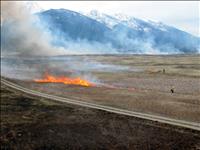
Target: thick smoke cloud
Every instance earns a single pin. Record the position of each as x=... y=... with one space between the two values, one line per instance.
x=20 y=33
x=25 y=38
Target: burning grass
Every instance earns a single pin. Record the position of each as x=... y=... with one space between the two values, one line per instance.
x=62 y=79
x=147 y=91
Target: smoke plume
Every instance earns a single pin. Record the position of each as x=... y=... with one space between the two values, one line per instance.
x=25 y=38
x=21 y=35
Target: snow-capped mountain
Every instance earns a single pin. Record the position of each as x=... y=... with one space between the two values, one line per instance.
x=111 y=21
x=102 y=33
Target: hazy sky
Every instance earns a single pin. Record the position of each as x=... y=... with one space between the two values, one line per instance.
x=184 y=15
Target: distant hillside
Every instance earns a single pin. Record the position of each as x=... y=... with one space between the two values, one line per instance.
x=101 y=33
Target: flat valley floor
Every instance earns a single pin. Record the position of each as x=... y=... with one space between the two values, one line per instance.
x=29 y=122
x=141 y=83
x=132 y=82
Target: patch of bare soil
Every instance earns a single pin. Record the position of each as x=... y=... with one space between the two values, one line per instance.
x=29 y=122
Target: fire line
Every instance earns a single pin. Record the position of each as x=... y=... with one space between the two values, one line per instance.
x=65 y=80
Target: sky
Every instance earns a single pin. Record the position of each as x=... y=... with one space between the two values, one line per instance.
x=184 y=15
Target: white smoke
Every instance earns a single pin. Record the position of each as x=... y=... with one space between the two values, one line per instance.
x=21 y=35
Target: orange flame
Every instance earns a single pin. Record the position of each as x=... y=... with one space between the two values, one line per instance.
x=53 y=79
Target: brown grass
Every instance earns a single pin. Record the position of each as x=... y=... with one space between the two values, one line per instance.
x=29 y=122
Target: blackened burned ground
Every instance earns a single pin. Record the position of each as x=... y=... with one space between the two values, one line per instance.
x=29 y=122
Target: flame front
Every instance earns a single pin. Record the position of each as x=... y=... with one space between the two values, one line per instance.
x=53 y=79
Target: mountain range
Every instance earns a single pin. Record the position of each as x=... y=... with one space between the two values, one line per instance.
x=97 y=32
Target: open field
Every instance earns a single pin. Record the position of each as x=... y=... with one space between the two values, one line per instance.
x=29 y=122
x=143 y=87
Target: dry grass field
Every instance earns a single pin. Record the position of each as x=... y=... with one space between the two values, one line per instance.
x=34 y=123
x=29 y=122
x=144 y=87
